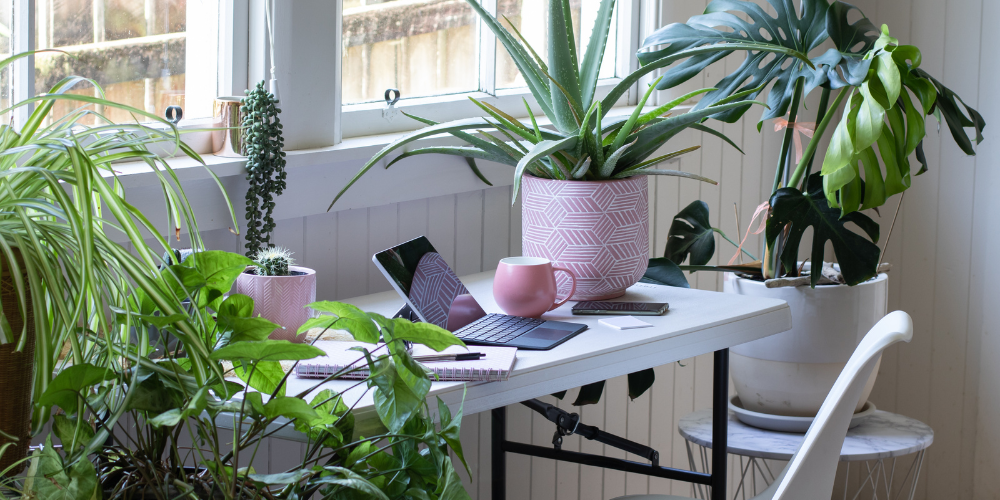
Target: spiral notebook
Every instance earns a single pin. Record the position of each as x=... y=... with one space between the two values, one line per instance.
x=495 y=366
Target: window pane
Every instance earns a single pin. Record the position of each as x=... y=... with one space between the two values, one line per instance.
x=6 y=47
x=135 y=49
x=422 y=48
x=531 y=18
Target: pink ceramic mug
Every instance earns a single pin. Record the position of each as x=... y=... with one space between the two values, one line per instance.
x=526 y=286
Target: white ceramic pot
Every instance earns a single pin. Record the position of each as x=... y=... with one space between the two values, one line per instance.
x=792 y=372
x=281 y=299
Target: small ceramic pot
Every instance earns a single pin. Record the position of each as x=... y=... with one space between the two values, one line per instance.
x=599 y=230
x=281 y=299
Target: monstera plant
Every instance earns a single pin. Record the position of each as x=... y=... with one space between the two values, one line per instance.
x=876 y=83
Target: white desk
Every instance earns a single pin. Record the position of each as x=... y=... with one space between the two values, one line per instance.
x=698 y=322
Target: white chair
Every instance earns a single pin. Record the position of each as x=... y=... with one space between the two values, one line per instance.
x=810 y=473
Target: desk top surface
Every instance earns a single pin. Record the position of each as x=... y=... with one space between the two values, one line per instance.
x=698 y=322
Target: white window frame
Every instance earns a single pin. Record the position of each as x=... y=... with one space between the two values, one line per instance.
x=232 y=64
x=366 y=119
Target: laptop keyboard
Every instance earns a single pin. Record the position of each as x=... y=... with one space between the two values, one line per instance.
x=497 y=328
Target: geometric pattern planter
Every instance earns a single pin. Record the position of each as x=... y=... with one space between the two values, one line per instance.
x=281 y=299
x=597 y=229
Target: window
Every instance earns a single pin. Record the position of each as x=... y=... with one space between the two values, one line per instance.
x=148 y=54
x=439 y=52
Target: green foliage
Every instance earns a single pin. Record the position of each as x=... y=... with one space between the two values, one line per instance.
x=273 y=261
x=186 y=393
x=586 y=144
x=691 y=234
x=77 y=248
x=265 y=164
x=664 y=271
x=858 y=257
x=883 y=98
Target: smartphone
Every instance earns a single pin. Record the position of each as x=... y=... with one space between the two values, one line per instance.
x=623 y=308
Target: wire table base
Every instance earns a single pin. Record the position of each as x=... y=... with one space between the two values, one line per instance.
x=875 y=447
x=880 y=476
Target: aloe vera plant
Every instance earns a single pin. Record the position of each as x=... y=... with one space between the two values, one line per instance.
x=583 y=142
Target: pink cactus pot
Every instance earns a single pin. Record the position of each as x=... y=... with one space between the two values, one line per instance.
x=281 y=299
x=597 y=229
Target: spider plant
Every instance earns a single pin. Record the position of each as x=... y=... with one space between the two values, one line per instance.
x=77 y=249
x=583 y=143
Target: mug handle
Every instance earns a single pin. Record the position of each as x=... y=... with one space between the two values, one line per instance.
x=572 y=287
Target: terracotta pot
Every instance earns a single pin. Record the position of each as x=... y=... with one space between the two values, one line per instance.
x=281 y=299
x=792 y=372
x=16 y=372
x=597 y=229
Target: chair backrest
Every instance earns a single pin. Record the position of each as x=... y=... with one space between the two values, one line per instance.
x=811 y=472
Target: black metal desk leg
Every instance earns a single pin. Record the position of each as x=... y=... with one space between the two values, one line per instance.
x=499 y=456
x=720 y=423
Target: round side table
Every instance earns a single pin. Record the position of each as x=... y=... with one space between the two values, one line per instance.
x=881 y=437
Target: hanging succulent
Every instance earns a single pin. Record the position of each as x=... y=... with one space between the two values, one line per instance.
x=265 y=164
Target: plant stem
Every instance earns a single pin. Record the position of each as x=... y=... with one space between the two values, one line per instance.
x=737 y=245
x=786 y=141
x=824 y=102
x=814 y=142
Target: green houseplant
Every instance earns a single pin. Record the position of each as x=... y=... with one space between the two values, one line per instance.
x=262 y=145
x=883 y=96
x=63 y=207
x=168 y=399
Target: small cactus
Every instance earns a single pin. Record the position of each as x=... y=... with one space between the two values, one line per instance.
x=273 y=261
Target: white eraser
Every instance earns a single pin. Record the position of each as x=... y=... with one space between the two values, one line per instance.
x=624 y=322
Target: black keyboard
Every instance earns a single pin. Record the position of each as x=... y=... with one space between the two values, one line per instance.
x=497 y=328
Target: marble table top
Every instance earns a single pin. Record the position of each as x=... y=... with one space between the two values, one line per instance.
x=882 y=435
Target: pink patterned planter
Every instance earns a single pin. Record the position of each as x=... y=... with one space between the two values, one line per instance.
x=281 y=299
x=597 y=229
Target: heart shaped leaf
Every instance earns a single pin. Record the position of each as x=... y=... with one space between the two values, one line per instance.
x=691 y=234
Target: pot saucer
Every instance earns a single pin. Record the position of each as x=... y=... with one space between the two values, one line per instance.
x=783 y=423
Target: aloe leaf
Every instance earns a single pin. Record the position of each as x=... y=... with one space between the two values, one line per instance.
x=541 y=150
x=466 y=151
x=627 y=128
x=671 y=173
x=608 y=169
x=534 y=124
x=594 y=55
x=536 y=82
x=565 y=94
x=507 y=120
x=654 y=161
x=653 y=136
x=447 y=127
x=538 y=59
x=465 y=136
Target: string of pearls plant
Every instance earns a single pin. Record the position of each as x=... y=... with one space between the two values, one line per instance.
x=265 y=165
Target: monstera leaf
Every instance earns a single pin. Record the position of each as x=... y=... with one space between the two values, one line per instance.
x=691 y=234
x=788 y=34
x=857 y=255
x=881 y=111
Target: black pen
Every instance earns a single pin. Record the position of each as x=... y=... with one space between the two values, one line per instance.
x=465 y=356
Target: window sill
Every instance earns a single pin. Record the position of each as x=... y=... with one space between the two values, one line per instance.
x=315 y=175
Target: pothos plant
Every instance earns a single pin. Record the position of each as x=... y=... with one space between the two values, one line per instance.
x=879 y=89
x=227 y=370
x=265 y=164
x=583 y=142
